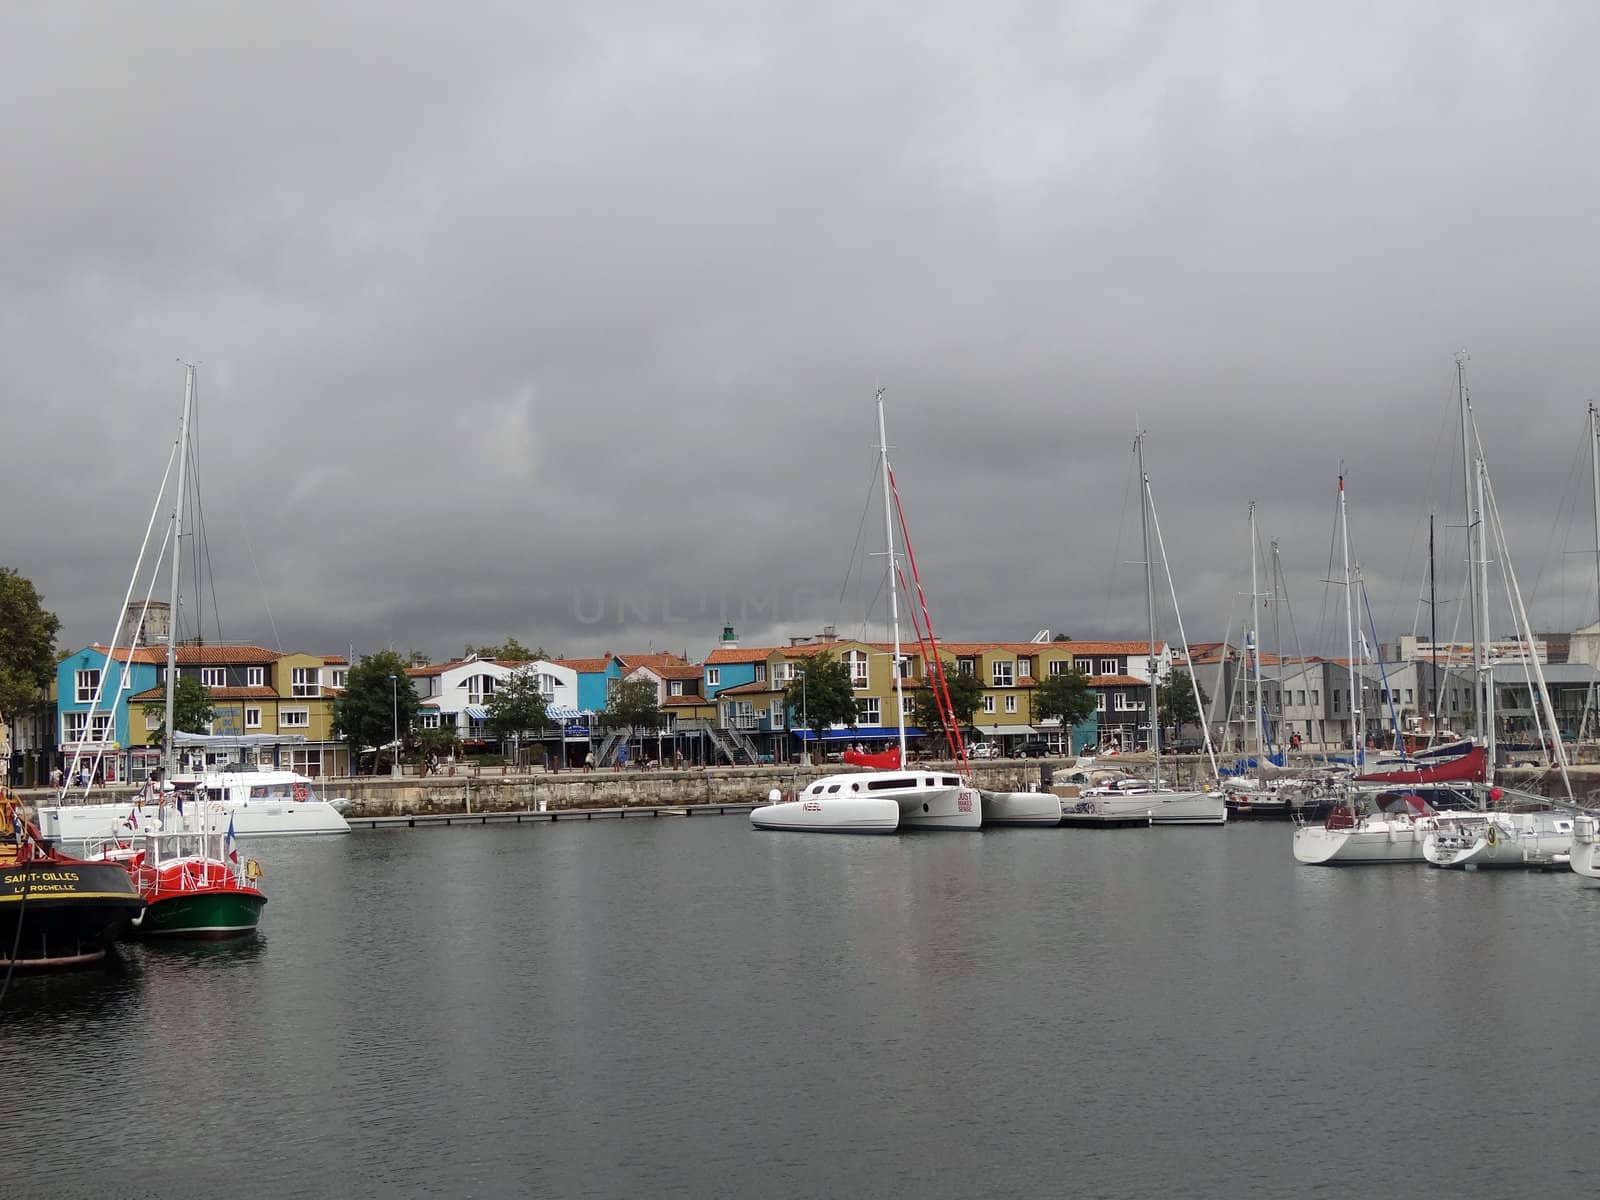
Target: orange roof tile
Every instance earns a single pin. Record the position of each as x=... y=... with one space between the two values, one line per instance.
x=759 y=687
x=691 y=701
x=743 y=654
x=587 y=666
x=1100 y=681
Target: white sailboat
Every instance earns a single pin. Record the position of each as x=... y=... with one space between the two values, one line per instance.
x=1124 y=799
x=880 y=801
x=1585 y=852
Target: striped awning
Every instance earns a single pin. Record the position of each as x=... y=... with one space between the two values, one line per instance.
x=562 y=712
x=475 y=713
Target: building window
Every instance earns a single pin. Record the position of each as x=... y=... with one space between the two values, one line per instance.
x=72 y=726
x=1083 y=666
x=294 y=718
x=87 y=683
x=868 y=711
x=965 y=666
x=255 y=677
x=430 y=720
x=858 y=668
x=307 y=682
x=214 y=677
x=1300 y=698
x=713 y=676
x=480 y=688
x=100 y=727
x=1100 y=701
x=775 y=713
x=1108 y=666
x=1011 y=703
x=988 y=704
x=1024 y=668
x=153 y=718
x=1316 y=698
x=1126 y=702
x=675 y=687
x=761 y=672
x=1408 y=695
x=908 y=706
x=252 y=718
x=1001 y=672
x=1059 y=666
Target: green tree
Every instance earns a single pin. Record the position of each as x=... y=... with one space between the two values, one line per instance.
x=1175 y=700
x=366 y=714
x=511 y=650
x=517 y=706
x=1066 y=697
x=966 y=695
x=27 y=644
x=192 y=709
x=826 y=696
x=633 y=708
x=1061 y=637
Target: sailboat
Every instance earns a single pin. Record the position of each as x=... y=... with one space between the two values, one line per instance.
x=890 y=797
x=1125 y=799
x=189 y=873
x=1247 y=797
x=1585 y=858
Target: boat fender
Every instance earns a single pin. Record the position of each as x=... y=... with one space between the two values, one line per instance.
x=1492 y=837
x=252 y=870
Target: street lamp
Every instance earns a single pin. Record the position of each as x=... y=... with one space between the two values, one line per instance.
x=394 y=699
x=804 y=715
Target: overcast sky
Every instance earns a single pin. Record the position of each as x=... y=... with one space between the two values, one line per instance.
x=565 y=321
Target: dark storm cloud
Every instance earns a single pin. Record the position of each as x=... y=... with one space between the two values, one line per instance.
x=566 y=321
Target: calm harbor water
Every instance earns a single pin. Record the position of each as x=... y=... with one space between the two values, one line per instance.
x=689 y=1008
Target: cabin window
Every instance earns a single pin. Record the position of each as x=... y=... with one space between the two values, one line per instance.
x=951 y=781
x=87 y=683
x=833 y=789
x=878 y=785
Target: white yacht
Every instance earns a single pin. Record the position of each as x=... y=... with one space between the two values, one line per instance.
x=1585 y=846
x=1535 y=839
x=1019 y=808
x=260 y=804
x=876 y=802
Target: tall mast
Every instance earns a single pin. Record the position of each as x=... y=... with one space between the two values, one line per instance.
x=1485 y=680
x=1349 y=627
x=177 y=544
x=1253 y=637
x=1594 y=463
x=1433 y=634
x=1467 y=472
x=894 y=595
x=1150 y=605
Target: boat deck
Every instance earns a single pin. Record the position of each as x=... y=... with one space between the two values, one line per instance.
x=554 y=814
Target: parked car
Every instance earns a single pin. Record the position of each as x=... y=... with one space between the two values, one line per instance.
x=1035 y=748
x=983 y=750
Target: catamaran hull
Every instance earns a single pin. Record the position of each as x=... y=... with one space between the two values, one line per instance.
x=259 y=818
x=941 y=808
x=1020 y=808
x=830 y=814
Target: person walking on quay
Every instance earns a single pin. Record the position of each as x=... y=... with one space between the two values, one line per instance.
x=622 y=757
x=588 y=762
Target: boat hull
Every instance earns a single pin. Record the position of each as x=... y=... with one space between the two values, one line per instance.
x=70 y=912
x=1585 y=846
x=830 y=814
x=1391 y=842
x=1020 y=808
x=1189 y=808
x=1529 y=841
x=251 y=818
x=957 y=808
x=218 y=914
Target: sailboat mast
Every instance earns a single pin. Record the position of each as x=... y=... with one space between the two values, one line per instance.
x=1254 y=665
x=1465 y=406
x=1480 y=652
x=894 y=592
x=1349 y=627
x=1594 y=464
x=1150 y=605
x=1433 y=634
x=177 y=544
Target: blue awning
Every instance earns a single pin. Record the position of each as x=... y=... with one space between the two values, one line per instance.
x=562 y=712
x=866 y=733
x=474 y=713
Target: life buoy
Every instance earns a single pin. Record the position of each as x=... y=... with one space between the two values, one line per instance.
x=302 y=792
x=1492 y=837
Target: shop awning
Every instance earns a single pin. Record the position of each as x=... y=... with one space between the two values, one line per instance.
x=1006 y=730
x=475 y=713
x=867 y=733
x=563 y=712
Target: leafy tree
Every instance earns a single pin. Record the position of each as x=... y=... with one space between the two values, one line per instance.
x=1061 y=637
x=1175 y=700
x=416 y=658
x=825 y=697
x=966 y=692
x=365 y=715
x=192 y=709
x=27 y=644
x=517 y=706
x=633 y=707
x=1066 y=697
x=511 y=651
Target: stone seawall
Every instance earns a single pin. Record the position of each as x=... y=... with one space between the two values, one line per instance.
x=386 y=796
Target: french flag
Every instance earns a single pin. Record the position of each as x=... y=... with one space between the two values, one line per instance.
x=233 y=850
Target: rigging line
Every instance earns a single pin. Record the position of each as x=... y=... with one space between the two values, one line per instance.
x=1567 y=509
x=1441 y=439
x=1116 y=551
x=255 y=568
x=866 y=509
x=1183 y=639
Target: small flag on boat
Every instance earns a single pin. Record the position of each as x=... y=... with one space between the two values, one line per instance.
x=133 y=818
x=16 y=825
x=233 y=851
x=179 y=794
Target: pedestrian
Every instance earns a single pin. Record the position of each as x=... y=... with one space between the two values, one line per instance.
x=588 y=761
x=55 y=777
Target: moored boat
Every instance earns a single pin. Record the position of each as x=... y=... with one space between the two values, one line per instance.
x=1535 y=839
x=1019 y=808
x=56 y=911
x=1585 y=859
x=260 y=804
